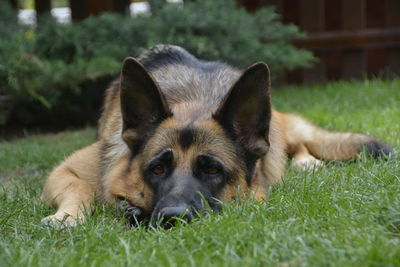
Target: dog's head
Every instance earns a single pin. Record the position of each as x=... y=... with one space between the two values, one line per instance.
x=189 y=155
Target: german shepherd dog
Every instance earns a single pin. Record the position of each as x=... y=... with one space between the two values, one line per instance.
x=178 y=134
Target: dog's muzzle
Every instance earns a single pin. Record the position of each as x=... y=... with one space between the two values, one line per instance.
x=167 y=217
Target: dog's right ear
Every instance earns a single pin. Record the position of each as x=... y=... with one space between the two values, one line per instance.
x=143 y=106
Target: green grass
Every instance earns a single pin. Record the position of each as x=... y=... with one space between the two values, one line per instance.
x=346 y=214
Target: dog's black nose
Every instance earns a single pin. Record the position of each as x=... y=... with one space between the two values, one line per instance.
x=168 y=216
x=181 y=211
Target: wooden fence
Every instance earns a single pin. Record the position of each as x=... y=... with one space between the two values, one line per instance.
x=351 y=38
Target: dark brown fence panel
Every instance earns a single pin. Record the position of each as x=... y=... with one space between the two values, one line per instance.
x=14 y=3
x=120 y=6
x=81 y=9
x=42 y=7
x=291 y=13
x=375 y=13
x=353 y=64
x=333 y=15
x=393 y=59
x=392 y=13
x=392 y=56
x=312 y=17
x=375 y=60
x=353 y=17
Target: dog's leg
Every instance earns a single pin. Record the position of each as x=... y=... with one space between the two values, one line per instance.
x=329 y=145
x=71 y=196
x=70 y=189
x=302 y=159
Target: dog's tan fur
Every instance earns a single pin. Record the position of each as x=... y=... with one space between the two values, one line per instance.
x=106 y=174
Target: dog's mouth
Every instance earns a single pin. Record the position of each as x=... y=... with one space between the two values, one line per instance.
x=165 y=218
x=134 y=214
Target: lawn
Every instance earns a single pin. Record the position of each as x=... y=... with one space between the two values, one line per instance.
x=345 y=214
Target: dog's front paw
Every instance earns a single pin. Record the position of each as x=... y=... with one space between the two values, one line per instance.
x=60 y=221
x=133 y=213
x=307 y=163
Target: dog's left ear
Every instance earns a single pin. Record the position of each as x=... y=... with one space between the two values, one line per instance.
x=246 y=110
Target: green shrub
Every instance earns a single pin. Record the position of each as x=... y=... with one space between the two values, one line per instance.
x=219 y=30
x=43 y=71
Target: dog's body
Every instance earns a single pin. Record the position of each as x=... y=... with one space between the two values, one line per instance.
x=176 y=129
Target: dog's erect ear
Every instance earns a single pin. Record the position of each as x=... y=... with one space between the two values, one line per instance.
x=246 y=110
x=143 y=106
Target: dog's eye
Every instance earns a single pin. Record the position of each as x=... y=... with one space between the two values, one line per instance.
x=158 y=169
x=212 y=171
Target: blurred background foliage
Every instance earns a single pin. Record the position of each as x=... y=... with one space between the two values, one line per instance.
x=30 y=4
x=55 y=74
